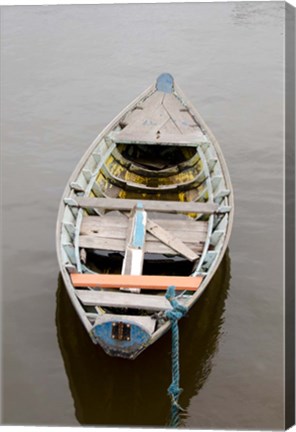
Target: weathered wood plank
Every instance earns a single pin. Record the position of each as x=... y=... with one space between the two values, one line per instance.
x=190 y=234
x=182 y=118
x=170 y=128
x=119 y=232
x=145 y=282
x=91 y=223
x=163 y=139
x=92 y=242
x=171 y=240
x=149 y=205
x=149 y=120
x=162 y=121
x=135 y=115
x=123 y=300
x=152 y=101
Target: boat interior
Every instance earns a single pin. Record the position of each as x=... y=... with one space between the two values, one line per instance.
x=145 y=172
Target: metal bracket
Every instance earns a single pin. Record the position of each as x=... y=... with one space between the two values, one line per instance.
x=121 y=331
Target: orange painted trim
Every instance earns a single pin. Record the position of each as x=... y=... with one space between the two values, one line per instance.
x=130 y=281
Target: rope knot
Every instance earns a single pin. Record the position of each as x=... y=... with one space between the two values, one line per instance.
x=178 y=310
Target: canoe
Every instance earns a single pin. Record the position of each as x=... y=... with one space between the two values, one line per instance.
x=144 y=221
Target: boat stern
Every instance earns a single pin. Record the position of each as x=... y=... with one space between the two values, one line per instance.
x=123 y=336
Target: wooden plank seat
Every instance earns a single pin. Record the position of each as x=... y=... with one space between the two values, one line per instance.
x=189 y=140
x=183 y=283
x=149 y=205
x=109 y=244
x=111 y=221
x=123 y=300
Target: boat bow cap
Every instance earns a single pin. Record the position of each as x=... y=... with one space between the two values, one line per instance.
x=165 y=83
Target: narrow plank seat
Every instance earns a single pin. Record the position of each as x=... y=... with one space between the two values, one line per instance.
x=183 y=283
x=123 y=300
x=166 y=140
x=149 y=205
x=119 y=245
x=118 y=223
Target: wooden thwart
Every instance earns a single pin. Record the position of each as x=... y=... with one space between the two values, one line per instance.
x=164 y=139
x=183 y=283
x=153 y=247
x=149 y=205
x=110 y=223
x=119 y=233
x=123 y=300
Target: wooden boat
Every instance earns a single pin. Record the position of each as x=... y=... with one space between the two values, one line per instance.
x=150 y=205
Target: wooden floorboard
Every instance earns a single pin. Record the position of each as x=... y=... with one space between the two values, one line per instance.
x=91 y=223
x=94 y=242
x=120 y=232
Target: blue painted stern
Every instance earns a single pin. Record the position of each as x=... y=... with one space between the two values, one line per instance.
x=128 y=345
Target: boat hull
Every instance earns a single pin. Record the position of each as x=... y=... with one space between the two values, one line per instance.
x=115 y=157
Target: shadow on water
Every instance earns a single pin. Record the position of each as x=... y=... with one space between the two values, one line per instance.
x=112 y=391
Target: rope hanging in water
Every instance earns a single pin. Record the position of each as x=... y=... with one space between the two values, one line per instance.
x=174 y=389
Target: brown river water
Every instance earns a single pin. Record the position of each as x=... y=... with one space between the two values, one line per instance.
x=66 y=72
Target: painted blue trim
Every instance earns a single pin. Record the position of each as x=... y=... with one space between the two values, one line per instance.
x=138 y=240
x=165 y=83
x=103 y=334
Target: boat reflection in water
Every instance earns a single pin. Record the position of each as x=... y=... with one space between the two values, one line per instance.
x=113 y=391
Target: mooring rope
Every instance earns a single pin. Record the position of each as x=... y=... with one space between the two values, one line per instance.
x=174 y=389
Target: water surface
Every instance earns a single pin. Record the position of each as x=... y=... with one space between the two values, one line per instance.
x=66 y=72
